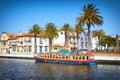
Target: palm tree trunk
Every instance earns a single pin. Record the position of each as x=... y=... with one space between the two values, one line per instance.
x=50 y=45
x=99 y=42
x=35 y=46
x=66 y=39
x=89 y=39
x=77 y=43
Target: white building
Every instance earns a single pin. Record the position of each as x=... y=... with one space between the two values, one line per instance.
x=83 y=40
x=61 y=38
x=60 y=41
x=23 y=43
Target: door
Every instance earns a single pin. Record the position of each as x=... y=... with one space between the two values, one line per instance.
x=40 y=49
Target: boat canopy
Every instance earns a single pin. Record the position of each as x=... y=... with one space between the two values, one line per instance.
x=64 y=51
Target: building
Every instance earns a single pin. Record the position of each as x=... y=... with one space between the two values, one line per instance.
x=22 y=43
x=83 y=41
x=59 y=42
x=72 y=41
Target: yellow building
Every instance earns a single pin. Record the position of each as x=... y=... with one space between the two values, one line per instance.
x=56 y=47
x=4 y=43
x=72 y=41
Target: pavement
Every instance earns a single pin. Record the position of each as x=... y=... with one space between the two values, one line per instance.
x=110 y=57
x=115 y=57
x=17 y=55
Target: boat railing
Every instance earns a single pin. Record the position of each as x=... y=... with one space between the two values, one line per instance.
x=66 y=57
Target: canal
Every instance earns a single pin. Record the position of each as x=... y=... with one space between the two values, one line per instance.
x=23 y=69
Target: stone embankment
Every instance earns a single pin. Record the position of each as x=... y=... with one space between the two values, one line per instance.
x=97 y=57
x=115 y=57
x=17 y=55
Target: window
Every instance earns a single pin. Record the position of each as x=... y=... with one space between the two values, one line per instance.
x=4 y=37
x=55 y=48
x=4 y=43
x=85 y=39
x=61 y=32
x=14 y=48
x=86 y=44
x=40 y=40
x=74 y=43
x=82 y=44
x=81 y=38
x=25 y=39
x=69 y=38
x=29 y=48
x=25 y=49
x=46 y=48
x=29 y=40
x=71 y=43
x=18 y=49
x=86 y=34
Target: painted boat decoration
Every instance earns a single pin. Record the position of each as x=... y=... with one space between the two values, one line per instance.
x=74 y=59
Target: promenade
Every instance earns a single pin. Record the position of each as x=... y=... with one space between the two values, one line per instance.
x=110 y=57
x=99 y=57
x=17 y=55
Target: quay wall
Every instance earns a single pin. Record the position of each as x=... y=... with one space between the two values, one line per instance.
x=98 y=57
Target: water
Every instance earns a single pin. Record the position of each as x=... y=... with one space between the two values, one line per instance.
x=22 y=69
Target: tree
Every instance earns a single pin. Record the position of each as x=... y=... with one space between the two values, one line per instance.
x=35 y=30
x=90 y=17
x=50 y=32
x=78 y=29
x=110 y=41
x=66 y=28
x=98 y=33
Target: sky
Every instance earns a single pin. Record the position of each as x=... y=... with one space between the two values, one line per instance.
x=21 y=15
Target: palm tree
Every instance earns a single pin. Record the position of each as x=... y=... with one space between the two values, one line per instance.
x=66 y=28
x=35 y=30
x=90 y=17
x=78 y=29
x=50 y=32
x=98 y=33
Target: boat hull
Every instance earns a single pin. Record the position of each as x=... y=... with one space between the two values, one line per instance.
x=61 y=61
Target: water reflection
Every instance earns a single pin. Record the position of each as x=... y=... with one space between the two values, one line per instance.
x=67 y=72
x=20 y=69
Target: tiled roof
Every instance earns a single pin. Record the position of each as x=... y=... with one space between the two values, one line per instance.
x=12 y=36
x=27 y=35
x=15 y=36
x=71 y=35
x=118 y=37
x=57 y=45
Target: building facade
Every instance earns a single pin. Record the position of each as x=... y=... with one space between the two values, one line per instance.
x=83 y=40
x=23 y=43
x=4 y=43
x=59 y=42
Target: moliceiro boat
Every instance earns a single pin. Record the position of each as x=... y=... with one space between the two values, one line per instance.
x=74 y=59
